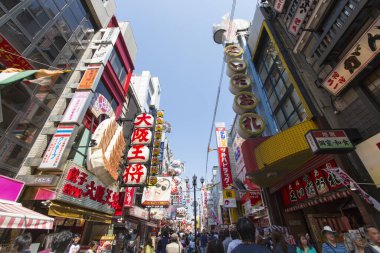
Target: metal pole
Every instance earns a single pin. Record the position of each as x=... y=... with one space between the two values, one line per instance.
x=195 y=216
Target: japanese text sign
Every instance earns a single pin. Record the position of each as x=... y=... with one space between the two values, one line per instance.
x=129 y=194
x=229 y=198
x=225 y=168
x=221 y=137
x=77 y=108
x=299 y=16
x=332 y=180
x=56 y=148
x=81 y=188
x=329 y=141
x=90 y=78
x=319 y=181
x=134 y=174
x=144 y=120
x=360 y=55
x=138 y=154
x=12 y=188
x=101 y=106
x=141 y=136
x=10 y=58
x=279 y=5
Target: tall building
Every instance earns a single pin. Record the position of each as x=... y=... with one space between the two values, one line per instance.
x=148 y=90
x=34 y=35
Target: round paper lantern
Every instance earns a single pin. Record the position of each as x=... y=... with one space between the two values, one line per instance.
x=156 y=151
x=232 y=51
x=138 y=154
x=244 y=101
x=155 y=160
x=250 y=125
x=160 y=114
x=144 y=120
x=152 y=180
x=159 y=121
x=156 y=143
x=236 y=66
x=154 y=169
x=239 y=83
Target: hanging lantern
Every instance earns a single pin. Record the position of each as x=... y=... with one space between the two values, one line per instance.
x=244 y=101
x=236 y=66
x=160 y=114
x=152 y=180
x=250 y=125
x=232 y=52
x=239 y=83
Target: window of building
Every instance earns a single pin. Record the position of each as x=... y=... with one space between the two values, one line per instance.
x=63 y=26
x=28 y=22
x=9 y=4
x=11 y=153
x=283 y=99
x=50 y=8
x=39 y=13
x=118 y=67
x=78 y=11
x=70 y=19
x=14 y=35
x=47 y=48
x=60 y=3
x=103 y=89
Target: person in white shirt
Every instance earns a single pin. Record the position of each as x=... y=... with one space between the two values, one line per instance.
x=235 y=240
x=373 y=236
x=75 y=246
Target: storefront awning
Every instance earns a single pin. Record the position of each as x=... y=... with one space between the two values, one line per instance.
x=71 y=212
x=282 y=153
x=13 y=215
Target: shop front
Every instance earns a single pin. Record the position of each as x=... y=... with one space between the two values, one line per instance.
x=307 y=190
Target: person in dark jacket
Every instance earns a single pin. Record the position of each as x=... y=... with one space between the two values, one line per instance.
x=22 y=243
x=373 y=236
x=279 y=243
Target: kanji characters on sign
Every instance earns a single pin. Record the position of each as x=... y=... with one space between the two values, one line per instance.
x=135 y=174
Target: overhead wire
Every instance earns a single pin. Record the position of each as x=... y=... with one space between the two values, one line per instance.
x=232 y=13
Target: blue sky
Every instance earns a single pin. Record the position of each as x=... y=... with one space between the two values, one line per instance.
x=174 y=40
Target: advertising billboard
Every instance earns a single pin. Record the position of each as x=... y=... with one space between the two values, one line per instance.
x=159 y=194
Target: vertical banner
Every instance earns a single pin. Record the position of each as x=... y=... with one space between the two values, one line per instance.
x=224 y=159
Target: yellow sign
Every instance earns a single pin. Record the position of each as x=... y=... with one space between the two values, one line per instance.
x=229 y=194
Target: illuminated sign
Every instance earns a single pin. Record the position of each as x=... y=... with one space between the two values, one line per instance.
x=329 y=141
x=159 y=194
x=77 y=108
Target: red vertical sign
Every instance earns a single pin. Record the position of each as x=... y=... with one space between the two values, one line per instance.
x=129 y=193
x=225 y=167
x=10 y=57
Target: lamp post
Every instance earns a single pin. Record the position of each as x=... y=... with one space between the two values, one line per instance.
x=202 y=180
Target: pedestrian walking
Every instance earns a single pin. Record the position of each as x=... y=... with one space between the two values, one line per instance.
x=247 y=230
x=191 y=246
x=61 y=242
x=161 y=245
x=227 y=240
x=330 y=245
x=304 y=245
x=214 y=246
x=235 y=240
x=279 y=243
x=373 y=235
x=174 y=246
x=93 y=247
x=75 y=246
x=22 y=243
x=204 y=241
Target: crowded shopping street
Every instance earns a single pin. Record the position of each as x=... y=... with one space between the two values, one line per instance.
x=164 y=126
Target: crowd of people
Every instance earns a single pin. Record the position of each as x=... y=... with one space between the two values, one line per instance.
x=241 y=238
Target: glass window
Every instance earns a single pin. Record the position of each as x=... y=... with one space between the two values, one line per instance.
x=70 y=19
x=13 y=34
x=60 y=3
x=25 y=132
x=293 y=120
x=268 y=61
x=268 y=87
x=28 y=22
x=2 y=13
x=288 y=107
x=39 y=13
x=118 y=67
x=103 y=89
x=295 y=98
x=78 y=12
x=37 y=58
x=15 y=95
x=275 y=75
x=302 y=112
x=47 y=48
x=9 y=4
x=8 y=116
x=88 y=30
x=273 y=101
x=263 y=73
x=65 y=29
x=56 y=37
x=286 y=79
x=50 y=8
x=12 y=153
x=280 y=89
x=280 y=118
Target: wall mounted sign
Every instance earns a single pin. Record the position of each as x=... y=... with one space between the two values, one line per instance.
x=221 y=136
x=225 y=168
x=159 y=194
x=236 y=66
x=360 y=55
x=82 y=188
x=77 y=108
x=135 y=174
x=250 y=125
x=144 y=120
x=10 y=58
x=129 y=194
x=39 y=180
x=141 y=136
x=229 y=198
x=279 y=5
x=329 y=141
x=299 y=16
x=244 y=101
x=90 y=78
x=239 y=159
x=138 y=212
x=101 y=106
x=138 y=154
x=57 y=146
x=104 y=158
x=239 y=83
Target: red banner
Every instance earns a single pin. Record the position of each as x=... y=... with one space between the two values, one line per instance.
x=128 y=199
x=332 y=180
x=292 y=194
x=300 y=190
x=225 y=167
x=10 y=58
x=255 y=197
x=309 y=186
x=285 y=196
x=319 y=181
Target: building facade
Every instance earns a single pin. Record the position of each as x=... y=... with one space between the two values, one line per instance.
x=40 y=35
x=148 y=90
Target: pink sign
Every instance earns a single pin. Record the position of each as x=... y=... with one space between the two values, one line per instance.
x=44 y=194
x=14 y=188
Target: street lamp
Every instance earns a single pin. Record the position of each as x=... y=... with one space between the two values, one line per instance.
x=202 y=180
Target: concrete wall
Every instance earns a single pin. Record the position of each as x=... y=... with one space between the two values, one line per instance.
x=102 y=11
x=129 y=38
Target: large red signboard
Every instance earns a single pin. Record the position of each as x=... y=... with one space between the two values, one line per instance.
x=225 y=167
x=10 y=57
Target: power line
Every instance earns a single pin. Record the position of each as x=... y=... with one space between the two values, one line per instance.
x=232 y=13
